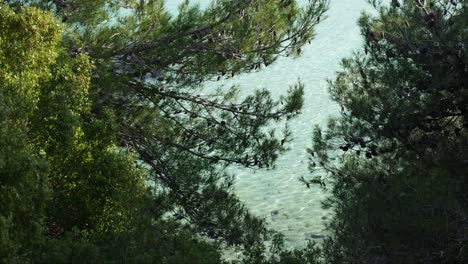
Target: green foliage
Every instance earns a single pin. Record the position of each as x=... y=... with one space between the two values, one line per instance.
x=150 y=71
x=27 y=42
x=396 y=159
x=156 y=242
x=111 y=149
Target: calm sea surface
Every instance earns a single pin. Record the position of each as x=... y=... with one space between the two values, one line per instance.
x=277 y=195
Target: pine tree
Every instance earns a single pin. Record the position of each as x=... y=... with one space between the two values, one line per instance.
x=396 y=158
x=150 y=72
x=132 y=142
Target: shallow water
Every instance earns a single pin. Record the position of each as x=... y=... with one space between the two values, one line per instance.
x=277 y=195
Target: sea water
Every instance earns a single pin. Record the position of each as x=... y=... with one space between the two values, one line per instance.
x=277 y=195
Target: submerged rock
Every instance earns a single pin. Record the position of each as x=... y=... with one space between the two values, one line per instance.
x=313 y=236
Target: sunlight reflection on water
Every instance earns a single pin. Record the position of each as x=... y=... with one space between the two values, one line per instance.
x=277 y=195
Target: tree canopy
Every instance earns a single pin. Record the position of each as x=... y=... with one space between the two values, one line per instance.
x=114 y=134
x=112 y=150
x=396 y=158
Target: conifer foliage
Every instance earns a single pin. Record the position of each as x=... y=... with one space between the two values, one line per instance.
x=396 y=159
x=112 y=150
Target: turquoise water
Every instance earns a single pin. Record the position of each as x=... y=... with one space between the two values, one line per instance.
x=277 y=195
